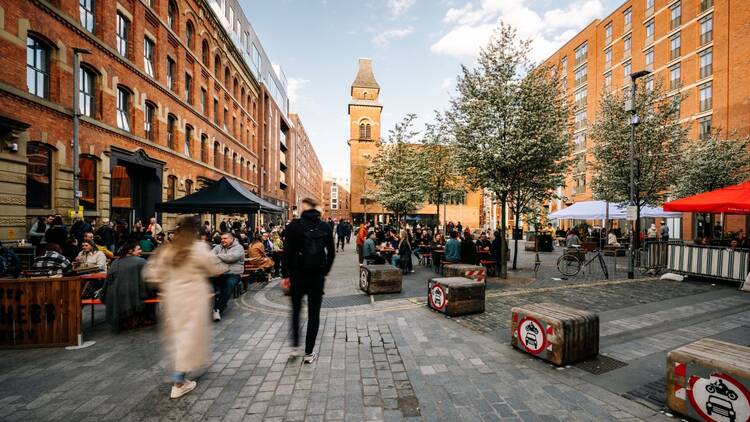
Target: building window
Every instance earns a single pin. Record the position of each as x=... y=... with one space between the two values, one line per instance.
x=580 y=98
x=38 y=175
x=189 y=88
x=190 y=35
x=580 y=119
x=649 y=4
x=628 y=17
x=148 y=121
x=706 y=4
x=649 y=84
x=205 y=53
x=226 y=78
x=216 y=111
x=580 y=76
x=649 y=31
x=676 y=15
x=217 y=148
x=707 y=61
x=217 y=66
x=123 y=28
x=171 y=187
x=704 y=127
x=581 y=53
x=608 y=80
x=37 y=67
x=674 y=47
x=188 y=139
x=87 y=182
x=650 y=59
x=204 y=99
x=364 y=131
x=86 y=92
x=172 y=15
x=170 y=73
x=564 y=65
x=226 y=159
x=86 y=10
x=706 y=97
x=170 y=131
x=123 y=109
x=627 y=42
x=226 y=117
x=674 y=77
x=626 y=69
x=204 y=148
x=234 y=164
x=608 y=57
x=707 y=30
x=148 y=56
x=608 y=33
x=188 y=187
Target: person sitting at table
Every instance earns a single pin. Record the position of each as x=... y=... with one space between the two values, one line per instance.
x=256 y=255
x=612 y=240
x=572 y=239
x=469 y=249
x=71 y=248
x=147 y=243
x=125 y=290
x=10 y=265
x=733 y=244
x=483 y=244
x=89 y=235
x=53 y=262
x=369 y=251
x=453 y=248
x=91 y=256
x=437 y=241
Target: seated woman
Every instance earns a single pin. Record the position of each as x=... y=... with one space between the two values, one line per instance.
x=125 y=290
x=469 y=249
x=256 y=255
x=572 y=239
x=90 y=255
x=612 y=240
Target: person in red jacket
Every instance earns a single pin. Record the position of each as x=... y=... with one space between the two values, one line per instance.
x=361 y=235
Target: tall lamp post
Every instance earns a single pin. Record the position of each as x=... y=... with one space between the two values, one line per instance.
x=77 y=52
x=631 y=107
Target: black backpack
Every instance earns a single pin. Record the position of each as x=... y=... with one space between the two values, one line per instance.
x=313 y=255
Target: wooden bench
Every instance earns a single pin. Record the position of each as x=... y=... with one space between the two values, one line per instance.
x=474 y=272
x=555 y=333
x=709 y=378
x=425 y=259
x=374 y=279
x=93 y=302
x=455 y=296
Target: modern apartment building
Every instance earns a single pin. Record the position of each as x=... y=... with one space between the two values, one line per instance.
x=700 y=48
x=336 y=199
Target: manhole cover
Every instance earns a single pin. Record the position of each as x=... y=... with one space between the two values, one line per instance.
x=600 y=365
x=652 y=394
x=344 y=301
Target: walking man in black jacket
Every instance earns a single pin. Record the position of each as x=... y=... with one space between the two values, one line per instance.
x=309 y=252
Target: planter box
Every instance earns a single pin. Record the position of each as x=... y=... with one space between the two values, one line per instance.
x=374 y=279
x=474 y=272
x=709 y=380
x=455 y=296
x=555 y=333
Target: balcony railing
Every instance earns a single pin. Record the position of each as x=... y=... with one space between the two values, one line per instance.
x=674 y=23
x=706 y=71
x=674 y=53
x=705 y=105
x=706 y=37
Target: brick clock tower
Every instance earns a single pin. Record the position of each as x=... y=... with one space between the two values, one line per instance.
x=364 y=133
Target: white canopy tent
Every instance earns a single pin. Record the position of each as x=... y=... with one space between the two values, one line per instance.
x=597 y=210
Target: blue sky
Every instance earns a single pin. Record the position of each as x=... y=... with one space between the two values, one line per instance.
x=417 y=47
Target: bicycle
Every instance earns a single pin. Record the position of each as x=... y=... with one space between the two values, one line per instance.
x=570 y=263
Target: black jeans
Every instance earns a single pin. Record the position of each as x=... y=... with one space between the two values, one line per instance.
x=340 y=241
x=312 y=286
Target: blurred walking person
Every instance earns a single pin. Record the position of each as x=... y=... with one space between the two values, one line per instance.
x=308 y=256
x=181 y=270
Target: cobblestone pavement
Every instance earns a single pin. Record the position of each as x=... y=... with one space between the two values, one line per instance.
x=388 y=360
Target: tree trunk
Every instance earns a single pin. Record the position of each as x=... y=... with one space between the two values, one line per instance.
x=515 y=241
x=438 y=215
x=637 y=238
x=503 y=264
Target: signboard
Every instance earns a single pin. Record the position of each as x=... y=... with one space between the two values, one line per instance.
x=719 y=398
x=531 y=335
x=437 y=297
x=40 y=312
x=364 y=279
x=632 y=212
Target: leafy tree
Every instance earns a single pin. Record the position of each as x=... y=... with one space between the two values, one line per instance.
x=445 y=179
x=398 y=171
x=509 y=123
x=712 y=164
x=659 y=138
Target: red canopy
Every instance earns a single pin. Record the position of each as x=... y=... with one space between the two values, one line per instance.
x=729 y=200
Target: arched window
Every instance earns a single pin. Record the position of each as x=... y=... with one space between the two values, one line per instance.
x=86 y=84
x=171 y=121
x=226 y=159
x=235 y=85
x=87 y=182
x=86 y=9
x=37 y=67
x=234 y=164
x=217 y=149
x=188 y=139
x=123 y=108
x=172 y=15
x=249 y=170
x=38 y=175
x=171 y=187
x=242 y=98
x=149 y=121
x=226 y=77
x=190 y=35
x=242 y=168
x=204 y=148
x=217 y=66
x=188 y=187
x=205 y=53
x=364 y=130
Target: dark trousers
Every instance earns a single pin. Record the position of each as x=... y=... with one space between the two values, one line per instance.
x=312 y=286
x=223 y=287
x=340 y=241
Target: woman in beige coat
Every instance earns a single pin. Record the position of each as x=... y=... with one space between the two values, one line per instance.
x=181 y=270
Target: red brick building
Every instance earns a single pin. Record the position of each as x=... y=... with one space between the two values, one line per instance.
x=306 y=167
x=169 y=102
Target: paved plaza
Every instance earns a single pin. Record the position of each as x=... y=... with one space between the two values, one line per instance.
x=388 y=357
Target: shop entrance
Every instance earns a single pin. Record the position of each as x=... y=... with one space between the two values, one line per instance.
x=135 y=187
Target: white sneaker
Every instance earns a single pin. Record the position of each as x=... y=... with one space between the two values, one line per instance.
x=296 y=352
x=217 y=315
x=310 y=358
x=186 y=387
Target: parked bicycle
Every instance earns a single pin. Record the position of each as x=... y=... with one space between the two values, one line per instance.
x=574 y=259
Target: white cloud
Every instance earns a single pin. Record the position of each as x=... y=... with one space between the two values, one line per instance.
x=384 y=37
x=474 y=22
x=399 y=7
x=294 y=89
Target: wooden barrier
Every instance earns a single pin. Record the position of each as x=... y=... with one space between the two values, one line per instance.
x=374 y=279
x=474 y=272
x=455 y=296
x=555 y=333
x=709 y=380
x=40 y=312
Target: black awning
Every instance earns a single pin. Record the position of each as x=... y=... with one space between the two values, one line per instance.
x=226 y=196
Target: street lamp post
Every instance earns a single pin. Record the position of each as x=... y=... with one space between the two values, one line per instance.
x=630 y=106
x=77 y=52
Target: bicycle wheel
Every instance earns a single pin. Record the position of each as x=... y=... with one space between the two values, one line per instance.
x=568 y=265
